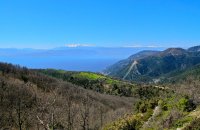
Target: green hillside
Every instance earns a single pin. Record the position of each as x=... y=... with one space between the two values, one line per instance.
x=180 y=76
x=169 y=113
x=152 y=67
x=93 y=81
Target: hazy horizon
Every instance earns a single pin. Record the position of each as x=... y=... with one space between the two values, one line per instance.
x=94 y=59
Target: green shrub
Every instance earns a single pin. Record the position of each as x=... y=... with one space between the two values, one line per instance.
x=195 y=125
x=182 y=121
x=133 y=122
x=185 y=104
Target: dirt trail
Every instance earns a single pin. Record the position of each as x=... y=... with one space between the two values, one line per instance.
x=156 y=112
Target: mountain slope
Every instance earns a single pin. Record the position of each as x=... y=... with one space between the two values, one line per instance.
x=31 y=100
x=94 y=81
x=194 y=49
x=153 y=66
x=182 y=75
x=122 y=68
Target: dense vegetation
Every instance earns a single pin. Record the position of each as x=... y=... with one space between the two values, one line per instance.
x=93 y=81
x=180 y=76
x=153 y=66
x=167 y=111
x=31 y=100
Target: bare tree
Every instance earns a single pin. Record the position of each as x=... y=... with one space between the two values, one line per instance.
x=19 y=111
x=85 y=112
x=101 y=116
x=47 y=105
x=71 y=112
x=23 y=102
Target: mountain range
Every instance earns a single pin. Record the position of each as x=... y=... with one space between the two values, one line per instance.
x=153 y=66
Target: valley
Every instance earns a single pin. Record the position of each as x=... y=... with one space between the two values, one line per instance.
x=72 y=100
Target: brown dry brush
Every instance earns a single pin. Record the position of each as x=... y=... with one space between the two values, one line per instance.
x=29 y=100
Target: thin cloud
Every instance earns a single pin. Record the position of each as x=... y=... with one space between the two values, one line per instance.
x=143 y=46
x=79 y=45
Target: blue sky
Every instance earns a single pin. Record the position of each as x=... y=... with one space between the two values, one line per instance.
x=55 y=23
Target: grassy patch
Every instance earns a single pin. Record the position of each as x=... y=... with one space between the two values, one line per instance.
x=89 y=76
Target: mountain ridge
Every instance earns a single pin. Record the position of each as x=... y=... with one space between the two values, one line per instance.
x=153 y=65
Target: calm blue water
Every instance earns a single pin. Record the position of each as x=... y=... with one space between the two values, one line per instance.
x=76 y=64
x=76 y=59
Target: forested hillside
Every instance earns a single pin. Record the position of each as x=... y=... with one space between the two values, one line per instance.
x=93 y=81
x=152 y=66
x=31 y=100
x=67 y=100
